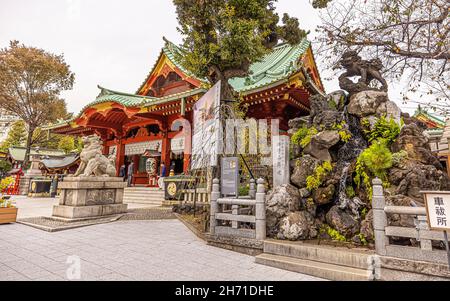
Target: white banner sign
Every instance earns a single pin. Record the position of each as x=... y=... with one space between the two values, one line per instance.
x=207 y=130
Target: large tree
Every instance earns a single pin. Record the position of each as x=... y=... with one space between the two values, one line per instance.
x=222 y=38
x=411 y=37
x=31 y=81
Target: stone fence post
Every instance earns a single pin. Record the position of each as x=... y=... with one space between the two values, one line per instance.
x=260 y=210
x=422 y=226
x=379 y=217
x=252 y=190
x=215 y=195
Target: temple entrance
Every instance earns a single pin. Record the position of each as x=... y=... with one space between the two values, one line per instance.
x=177 y=163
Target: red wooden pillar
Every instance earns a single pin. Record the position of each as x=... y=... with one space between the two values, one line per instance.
x=165 y=152
x=120 y=155
x=165 y=147
x=105 y=148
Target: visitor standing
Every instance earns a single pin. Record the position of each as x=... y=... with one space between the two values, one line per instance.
x=122 y=172
x=130 y=173
x=162 y=173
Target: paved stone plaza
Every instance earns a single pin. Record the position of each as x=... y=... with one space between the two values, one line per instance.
x=125 y=250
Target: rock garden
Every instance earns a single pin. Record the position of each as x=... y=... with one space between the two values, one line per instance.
x=350 y=138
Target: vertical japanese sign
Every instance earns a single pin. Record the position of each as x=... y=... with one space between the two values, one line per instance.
x=438 y=210
x=280 y=157
x=207 y=130
x=230 y=176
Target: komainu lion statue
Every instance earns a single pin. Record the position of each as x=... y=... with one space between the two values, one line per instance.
x=93 y=162
x=367 y=70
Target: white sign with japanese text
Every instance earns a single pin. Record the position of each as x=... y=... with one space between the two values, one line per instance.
x=438 y=209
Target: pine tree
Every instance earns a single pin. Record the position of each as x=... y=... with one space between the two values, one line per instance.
x=17 y=136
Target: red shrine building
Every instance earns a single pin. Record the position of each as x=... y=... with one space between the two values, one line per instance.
x=130 y=125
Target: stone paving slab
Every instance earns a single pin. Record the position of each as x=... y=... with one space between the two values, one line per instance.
x=125 y=250
x=37 y=207
x=52 y=224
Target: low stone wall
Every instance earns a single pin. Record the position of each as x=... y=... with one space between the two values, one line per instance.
x=397 y=269
x=247 y=246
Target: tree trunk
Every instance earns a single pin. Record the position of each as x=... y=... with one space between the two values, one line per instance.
x=28 y=148
x=226 y=91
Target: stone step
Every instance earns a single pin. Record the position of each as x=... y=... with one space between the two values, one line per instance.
x=142 y=191
x=139 y=194
x=143 y=196
x=355 y=258
x=146 y=202
x=141 y=200
x=313 y=268
x=146 y=190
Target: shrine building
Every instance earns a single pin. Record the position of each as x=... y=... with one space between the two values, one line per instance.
x=279 y=87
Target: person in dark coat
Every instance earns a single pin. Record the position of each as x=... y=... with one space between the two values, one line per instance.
x=130 y=173
x=122 y=172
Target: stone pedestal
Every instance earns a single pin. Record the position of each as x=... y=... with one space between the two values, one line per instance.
x=88 y=197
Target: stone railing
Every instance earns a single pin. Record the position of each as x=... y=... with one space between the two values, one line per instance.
x=248 y=210
x=422 y=233
x=197 y=195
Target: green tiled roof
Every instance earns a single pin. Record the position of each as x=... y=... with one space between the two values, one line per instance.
x=18 y=153
x=173 y=53
x=438 y=119
x=275 y=66
x=127 y=100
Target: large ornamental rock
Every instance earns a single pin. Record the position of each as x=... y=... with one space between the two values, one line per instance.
x=303 y=168
x=401 y=220
x=327 y=119
x=279 y=203
x=366 y=229
x=420 y=177
x=390 y=110
x=366 y=103
x=324 y=195
x=295 y=124
x=337 y=99
x=342 y=221
x=321 y=143
x=296 y=226
x=373 y=104
x=412 y=140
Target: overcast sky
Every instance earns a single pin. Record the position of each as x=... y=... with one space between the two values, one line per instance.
x=112 y=43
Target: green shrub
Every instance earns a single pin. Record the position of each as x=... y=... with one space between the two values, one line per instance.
x=345 y=135
x=350 y=192
x=364 y=213
x=4 y=183
x=343 y=131
x=320 y=172
x=303 y=136
x=377 y=158
x=332 y=233
x=375 y=161
x=244 y=190
x=399 y=157
x=361 y=177
x=383 y=128
x=362 y=239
